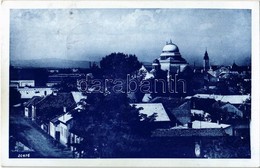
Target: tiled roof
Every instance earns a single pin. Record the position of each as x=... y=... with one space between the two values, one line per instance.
x=57 y=101
x=232 y=109
x=188 y=132
x=34 y=100
x=183 y=113
x=232 y=99
x=167 y=102
x=151 y=108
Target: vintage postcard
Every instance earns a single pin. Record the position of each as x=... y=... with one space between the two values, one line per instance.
x=129 y=83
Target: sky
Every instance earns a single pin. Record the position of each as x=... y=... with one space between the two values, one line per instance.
x=90 y=34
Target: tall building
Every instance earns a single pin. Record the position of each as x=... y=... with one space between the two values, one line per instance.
x=171 y=66
x=171 y=59
x=206 y=61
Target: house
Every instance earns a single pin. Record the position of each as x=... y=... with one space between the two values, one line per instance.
x=76 y=142
x=145 y=73
x=66 y=123
x=54 y=129
x=211 y=78
x=221 y=70
x=61 y=126
x=232 y=99
x=28 y=92
x=28 y=106
x=148 y=109
x=196 y=129
x=50 y=107
x=22 y=83
x=231 y=109
x=182 y=113
x=169 y=104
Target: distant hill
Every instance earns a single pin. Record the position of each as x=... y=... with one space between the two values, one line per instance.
x=147 y=63
x=50 y=63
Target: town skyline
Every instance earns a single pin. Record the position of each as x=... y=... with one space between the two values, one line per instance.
x=90 y=34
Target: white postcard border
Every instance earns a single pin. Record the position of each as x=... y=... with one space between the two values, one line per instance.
x=253 y=162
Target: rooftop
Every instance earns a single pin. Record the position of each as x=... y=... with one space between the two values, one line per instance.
x=232 y=109
x=151 y=108
x=58 y=99
x=199 y=128
x=34 y=100
x=210 y=132
x=65 y=118
x=232 y=99
x=78 y=96
x=183 y=113
x=204 y=124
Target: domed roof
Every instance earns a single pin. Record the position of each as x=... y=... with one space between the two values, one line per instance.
x=170 y=47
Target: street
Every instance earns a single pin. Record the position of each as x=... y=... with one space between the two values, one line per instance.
x=32 y=136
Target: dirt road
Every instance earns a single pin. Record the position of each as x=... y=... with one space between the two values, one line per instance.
x=31 y=135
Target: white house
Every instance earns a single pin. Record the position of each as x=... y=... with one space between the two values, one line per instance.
x=22 y=83
x=54 y=128
x=29 y=106
x=65 y=124
x=28 y=93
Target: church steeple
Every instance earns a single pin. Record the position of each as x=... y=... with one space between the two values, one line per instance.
x=206 y=61
x=206 y=56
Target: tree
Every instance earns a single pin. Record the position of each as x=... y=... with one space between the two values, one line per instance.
x=96 y=70
x=15 y=96
x=118 y=65
x=109 y=126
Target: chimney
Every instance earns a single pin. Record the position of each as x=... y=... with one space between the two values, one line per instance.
x=65 y=109
x=189 y=124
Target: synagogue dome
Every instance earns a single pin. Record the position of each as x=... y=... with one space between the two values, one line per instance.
x=170 y=48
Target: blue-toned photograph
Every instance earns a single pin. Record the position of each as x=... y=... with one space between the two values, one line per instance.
x=130 y=83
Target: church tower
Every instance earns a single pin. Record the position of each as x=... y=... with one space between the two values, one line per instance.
x=206 y=61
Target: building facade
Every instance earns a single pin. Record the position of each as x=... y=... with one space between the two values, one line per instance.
x=171 y=60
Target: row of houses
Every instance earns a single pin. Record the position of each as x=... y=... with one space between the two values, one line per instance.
x=54 y=114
